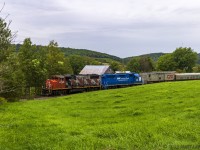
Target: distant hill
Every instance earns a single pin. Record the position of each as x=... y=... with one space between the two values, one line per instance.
x=101 y=57
x=153 y=56
x=106 y=58
x=89 y=53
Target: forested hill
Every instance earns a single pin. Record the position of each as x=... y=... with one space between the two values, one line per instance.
x=88 y=53
x=94 y=54
x=106 y=57
x=153 y=56
x=84 y=52
x=98 y=55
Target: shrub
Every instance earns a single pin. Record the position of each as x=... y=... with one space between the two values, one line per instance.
x=2 y=101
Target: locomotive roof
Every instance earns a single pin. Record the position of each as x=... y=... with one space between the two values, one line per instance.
x=183 y=74
x=58 y=76
x=159 y=72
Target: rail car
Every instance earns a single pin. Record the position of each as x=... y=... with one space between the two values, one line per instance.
x=153 y=77
x=64 y=84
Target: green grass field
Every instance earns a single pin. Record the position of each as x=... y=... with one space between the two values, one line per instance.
x=156 y=116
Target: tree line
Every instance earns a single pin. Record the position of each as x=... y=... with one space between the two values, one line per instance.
x=182 y=59
x=24 y=69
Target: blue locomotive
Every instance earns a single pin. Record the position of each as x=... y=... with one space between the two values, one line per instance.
x=120 y=80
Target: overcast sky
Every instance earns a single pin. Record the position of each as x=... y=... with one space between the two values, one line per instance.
x=119 y=27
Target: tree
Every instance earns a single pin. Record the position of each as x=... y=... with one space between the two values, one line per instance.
x=116 y=66
x=27 y=53
x=79 y=62
x=133 y=65
x=140 y=64
x=5 y=39
x=8 y=72
x=185 y=58
x=166 y=63
x=11 y=78
x=146 y=64
x=56 y=62
x=196 y=68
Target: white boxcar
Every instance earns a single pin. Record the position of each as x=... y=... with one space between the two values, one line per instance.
x=151 y=77
x=187 y=76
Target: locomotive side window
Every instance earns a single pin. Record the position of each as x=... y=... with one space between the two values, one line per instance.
x=122 y=76
x=131 y=75
x=111 y=76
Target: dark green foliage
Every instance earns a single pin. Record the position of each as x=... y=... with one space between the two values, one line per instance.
x=30 y=66
x=79 y=62
x=146 y=64
x=2 y=101
x=88 y=53
x=196 y=68
x=38 y=63
x=12 y=78
x=56 y=62
x=9 y=82
x=153 y=56
x=134 y=65
x=116 y=66
x=86 y=57
x=140 y=64
x=166 y=63
x=198 y=60
x=5 y=39
x=183 y=59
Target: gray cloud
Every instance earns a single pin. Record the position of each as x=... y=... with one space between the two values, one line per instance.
x=121 y=28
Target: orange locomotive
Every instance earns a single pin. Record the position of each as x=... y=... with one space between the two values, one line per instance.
x=63 y=84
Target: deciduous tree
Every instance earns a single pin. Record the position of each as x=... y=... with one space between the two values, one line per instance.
x=185 y=58
x=56 y=61
x=140 y=64
x=166 y=63
x=133 y=65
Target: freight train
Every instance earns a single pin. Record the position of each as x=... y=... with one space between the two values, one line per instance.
x=64 y=84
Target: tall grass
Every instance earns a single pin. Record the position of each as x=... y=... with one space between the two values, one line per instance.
x=156 y=116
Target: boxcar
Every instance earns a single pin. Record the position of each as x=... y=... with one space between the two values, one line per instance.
x=187 y=76
x=151 y=77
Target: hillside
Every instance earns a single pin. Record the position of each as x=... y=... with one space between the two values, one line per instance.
x=153 y=56
x=106 y=58
x=88 y=53
x=102 y=57
x=156 y=116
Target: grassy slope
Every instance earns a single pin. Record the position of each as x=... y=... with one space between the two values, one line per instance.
x=157 y=116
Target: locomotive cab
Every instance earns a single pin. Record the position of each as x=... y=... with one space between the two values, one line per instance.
x=55 y=84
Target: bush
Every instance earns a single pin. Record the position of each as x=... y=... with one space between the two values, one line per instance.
x=2 y=101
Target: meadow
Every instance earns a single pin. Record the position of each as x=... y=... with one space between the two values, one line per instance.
x=155 y=116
